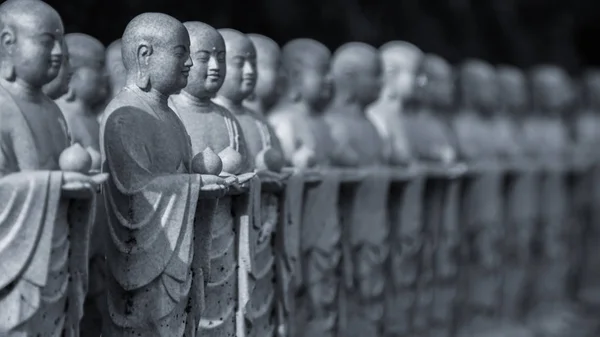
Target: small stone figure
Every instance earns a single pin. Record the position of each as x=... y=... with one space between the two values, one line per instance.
x=214 y=130
x=115 y=68
x=298 y=117
x=60 y=85
x=432 y=234
x=87 y=88
x=257 y=304
x=478 y=144
x=152 y=194
x=521 y=200
x=400 y=61
x=268 y=61
x=47 y=209
x=588 y=139
x=551 y=98
x=356 y=72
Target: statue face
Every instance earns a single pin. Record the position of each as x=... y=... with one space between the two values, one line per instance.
x=441 y=88
x=208 y=73
x=268 y=77
x=241 y=70
x=315 y=83
x=60 y=85
x=36 y=49
x=170 y=63
x=369 y=81
x=400 y=74
x=89 y=85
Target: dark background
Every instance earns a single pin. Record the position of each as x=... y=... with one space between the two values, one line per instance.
x=519 y=32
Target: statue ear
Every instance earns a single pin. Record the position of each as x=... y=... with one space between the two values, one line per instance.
x=144 y=51
x=7 y=40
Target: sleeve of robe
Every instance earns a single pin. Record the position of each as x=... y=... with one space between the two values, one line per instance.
x=150 y=218
x=29 y=202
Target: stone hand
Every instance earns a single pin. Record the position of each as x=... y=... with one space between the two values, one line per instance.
x=80 y=186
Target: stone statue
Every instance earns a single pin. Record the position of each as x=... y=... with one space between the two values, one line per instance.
x=268 y=60
x=521 y=208
x=59 y=86
x=551 y=99
x=256 y=288
x=214 y=131
x=298 y=121
x=482 y=211
x=298 y=118
x=356 y=72
x=115 y=68
x=432 y=271
x=87 y=88
x=46 y=195
x=153 y=286
x=400 y=61
x=587 y=136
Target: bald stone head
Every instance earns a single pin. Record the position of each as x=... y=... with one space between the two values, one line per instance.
x=85 y=51
x=207 y=49
x=305 y=67
x=434 y=83
x=268 y=61
x=512 y=87
x=551 y=88
x=479 y=86
x=59 y=86
x=356 y=70
x=241 y=66
x=115 y=68
x=156 y=53
x=87 y=61
x=400 y=61
x=31 y=41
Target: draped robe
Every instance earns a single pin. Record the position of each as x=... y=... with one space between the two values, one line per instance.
x=481 y=207
x=151 y=201
x=44 y=237
x=216 y=127
x=256 y=289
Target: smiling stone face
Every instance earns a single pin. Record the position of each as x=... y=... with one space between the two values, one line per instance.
x=241 y=66
x=207 y=50
x=32 y=49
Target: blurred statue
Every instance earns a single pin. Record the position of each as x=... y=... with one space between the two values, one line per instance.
x=298 y=121
x=268 y=60
x=152 y=194
x=482 y=212
x=46 y=195
x=115 y=67
x=298 y=116
x=552 y=97
x=86 y=89
x=264 y=149
x=216 y=136
x=400 y=61
x=432 y=272
x=356 y=71
x=521 y=197
x=588 y=139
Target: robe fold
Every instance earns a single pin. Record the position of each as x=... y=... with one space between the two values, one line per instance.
x=368 y=230
x=287 y=244
x=151 y=204
x=44 y=237
x=405 y=253
x=320 y=246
